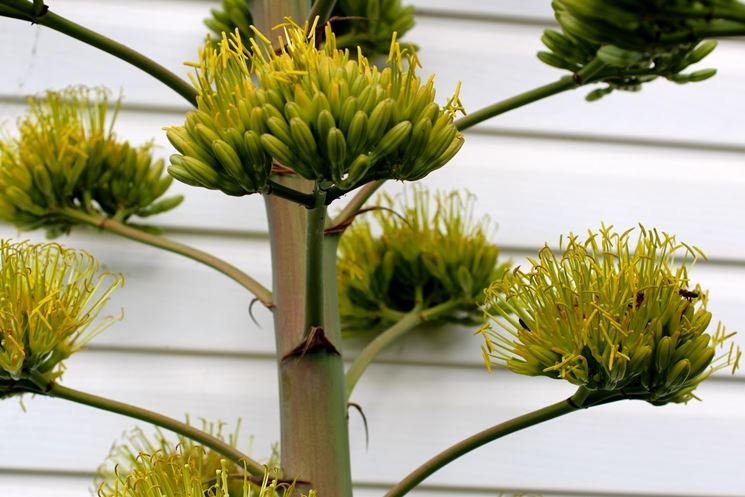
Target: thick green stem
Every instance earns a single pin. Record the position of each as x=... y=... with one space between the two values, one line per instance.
x=314 y=276
x=314 y=440
x=59 y=23
x=214 y=443
x=409 y=321
x=582 y=77
x=490 y=434
x=112 y=226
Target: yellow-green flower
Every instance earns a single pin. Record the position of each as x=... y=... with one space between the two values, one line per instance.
x=610 y=315
x=423 y=252
x=66 y=157
x=638 y=40
x=141 y=456
x=49 y=299
x=182 y=468
x=323 y=114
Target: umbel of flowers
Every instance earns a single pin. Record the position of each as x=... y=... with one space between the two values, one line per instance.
x=638 y=40
x=67 y=158
x=49 y=299
x=328 y=117
x=618 y=318
x=423 y=253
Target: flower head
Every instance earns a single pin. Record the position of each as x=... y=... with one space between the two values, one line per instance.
x=182 y=468
x=423 y=257
x=66 y=156
x=609 y=315
x=638 y=41
x=49 y=299
x=329 y=117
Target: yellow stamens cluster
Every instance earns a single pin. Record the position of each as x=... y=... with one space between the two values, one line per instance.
x=49 y=298
x=608 y=315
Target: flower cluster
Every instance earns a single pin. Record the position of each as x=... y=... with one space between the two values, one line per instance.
x=67 y=157
x=368 y=25
x=49 y=298
x=638 y=40
x=609 y=315
x=331 y=119
x=141 y=458
x=423 y=257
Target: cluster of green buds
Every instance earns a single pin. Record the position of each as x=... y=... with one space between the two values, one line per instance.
x=610 y=316
x=140 y=455
x=638 y=40
x=66 y=157
x=49 y=299
x=368 y=25
x=419 y=259
x=336 y=121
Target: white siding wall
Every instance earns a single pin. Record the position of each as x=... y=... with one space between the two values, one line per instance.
x=671 y=157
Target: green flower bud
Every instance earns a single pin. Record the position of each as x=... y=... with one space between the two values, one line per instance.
x=609 y=315
x=638 y=40
x=423 y=257
x=66 y=157
x=49 y=299
x=317 y=112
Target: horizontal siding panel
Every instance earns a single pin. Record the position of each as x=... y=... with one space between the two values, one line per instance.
x=494 y=60
x=535 y=10
x=199 y=310
x=665 y=449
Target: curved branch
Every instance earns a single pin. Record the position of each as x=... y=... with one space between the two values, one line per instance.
x=24 y=10
x=552 y=411
x=407 y=323
x=582 y=77
x=108 y=224
x=52 y=389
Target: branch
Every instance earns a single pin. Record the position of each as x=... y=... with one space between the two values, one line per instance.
x=24 y=10
x=345 y=217
x=52 y=389
x=407 y=323
x=107 y=224
x=582 y=77
x=552 y=411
